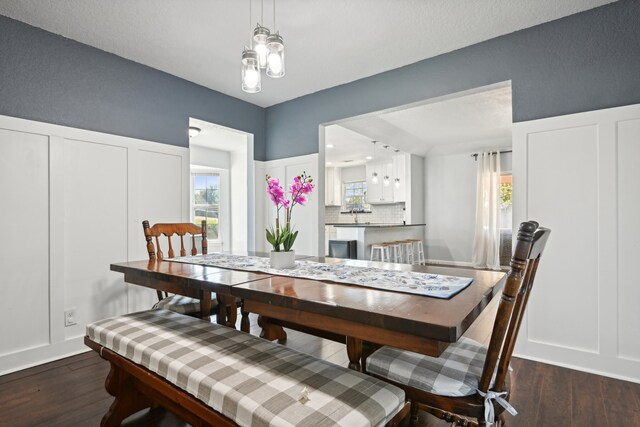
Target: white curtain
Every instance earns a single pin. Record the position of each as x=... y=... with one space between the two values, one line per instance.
x=486 y=242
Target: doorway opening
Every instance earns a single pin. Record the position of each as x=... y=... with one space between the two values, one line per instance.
x=221 y=163
x=418 y=171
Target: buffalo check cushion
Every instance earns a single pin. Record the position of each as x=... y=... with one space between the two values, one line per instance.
x=249 y=380
x=455 y=373
x=181 y=304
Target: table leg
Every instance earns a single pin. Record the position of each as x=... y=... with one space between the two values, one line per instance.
x=205 y=305
x=221 y=315
x=231 y=309
x=271 y=331
x=354 y=351
x=245 y=326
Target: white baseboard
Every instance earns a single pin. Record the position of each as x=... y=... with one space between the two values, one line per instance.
x=43 y=354
x=578 y=368
x=446 y=262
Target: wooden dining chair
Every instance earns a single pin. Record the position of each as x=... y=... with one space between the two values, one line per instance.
x=469 y=384
x=177 y=303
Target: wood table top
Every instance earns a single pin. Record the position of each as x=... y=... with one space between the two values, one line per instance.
x=433 y=318
x=188 y=276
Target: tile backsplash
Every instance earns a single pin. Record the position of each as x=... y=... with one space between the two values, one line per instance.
x=386 y=214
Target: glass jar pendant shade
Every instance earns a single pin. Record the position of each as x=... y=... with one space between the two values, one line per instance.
x=275 y=57
x=385 y=181
x=260 y=35
x=251 y=79
x=397 y=182
x=374 y=177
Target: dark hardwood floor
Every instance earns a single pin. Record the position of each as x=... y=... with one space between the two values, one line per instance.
x=70 y=392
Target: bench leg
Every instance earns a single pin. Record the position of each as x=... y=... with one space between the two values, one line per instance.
x=127 y=400
x=271 y=331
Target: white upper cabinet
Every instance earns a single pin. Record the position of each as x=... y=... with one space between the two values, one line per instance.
x=333 y=186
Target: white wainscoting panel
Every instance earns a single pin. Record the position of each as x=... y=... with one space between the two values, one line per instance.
x=24 y=252
x=95 y=231
x=579 y=176
x=75 y=200
x=161 y=190
x=564 y=197
x=160 y=187
x=628 y=181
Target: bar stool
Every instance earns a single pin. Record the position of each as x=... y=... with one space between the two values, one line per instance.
x=407 y=248
x=395 y=251
x=419 y=250
x=382 y=250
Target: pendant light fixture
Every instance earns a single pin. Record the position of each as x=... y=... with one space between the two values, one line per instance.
x=396 y=181
x=275 y=45
x=374 y=175
x=385 y=180
x=260 y=35
x=275 y=60
x=251 y=79
x=265 y=51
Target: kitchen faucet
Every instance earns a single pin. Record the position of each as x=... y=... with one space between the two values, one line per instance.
x=355 y=211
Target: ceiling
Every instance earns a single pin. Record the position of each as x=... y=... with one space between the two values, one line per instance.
x=217 y=137
x=457 y=124
x=328 y=43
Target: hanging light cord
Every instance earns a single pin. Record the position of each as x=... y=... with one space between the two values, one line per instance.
x=274 y=15
x=250 y=27
x=261 y=12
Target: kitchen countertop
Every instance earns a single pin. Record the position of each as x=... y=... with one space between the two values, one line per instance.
x=373 y=225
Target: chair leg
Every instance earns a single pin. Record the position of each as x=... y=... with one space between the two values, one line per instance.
x=413 y=419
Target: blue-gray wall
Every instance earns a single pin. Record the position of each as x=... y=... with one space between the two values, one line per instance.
x=579 y=63
x=583 y=62
x=49 y=78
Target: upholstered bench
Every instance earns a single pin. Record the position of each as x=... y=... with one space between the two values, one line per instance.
x=213 y=375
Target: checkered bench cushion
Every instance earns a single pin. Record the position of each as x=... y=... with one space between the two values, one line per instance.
x=455 y=373
x=249 y=380
x=181 y=304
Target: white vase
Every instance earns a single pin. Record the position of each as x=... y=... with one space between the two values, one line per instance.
x=282 y=260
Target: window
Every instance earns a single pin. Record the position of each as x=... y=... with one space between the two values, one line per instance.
x=355 y=196
x=205 y=204
x=506 y=201
x=506 y=221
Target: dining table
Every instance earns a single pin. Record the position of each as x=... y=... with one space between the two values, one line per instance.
x=354 y=314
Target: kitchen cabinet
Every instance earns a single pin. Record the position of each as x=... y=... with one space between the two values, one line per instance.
x=333 y=186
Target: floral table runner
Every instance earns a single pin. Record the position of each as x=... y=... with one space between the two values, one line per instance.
x=431 y=285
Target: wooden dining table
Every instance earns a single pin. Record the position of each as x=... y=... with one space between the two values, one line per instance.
x=357 y=313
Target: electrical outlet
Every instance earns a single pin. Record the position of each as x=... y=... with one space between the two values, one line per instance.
x=70 y=317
